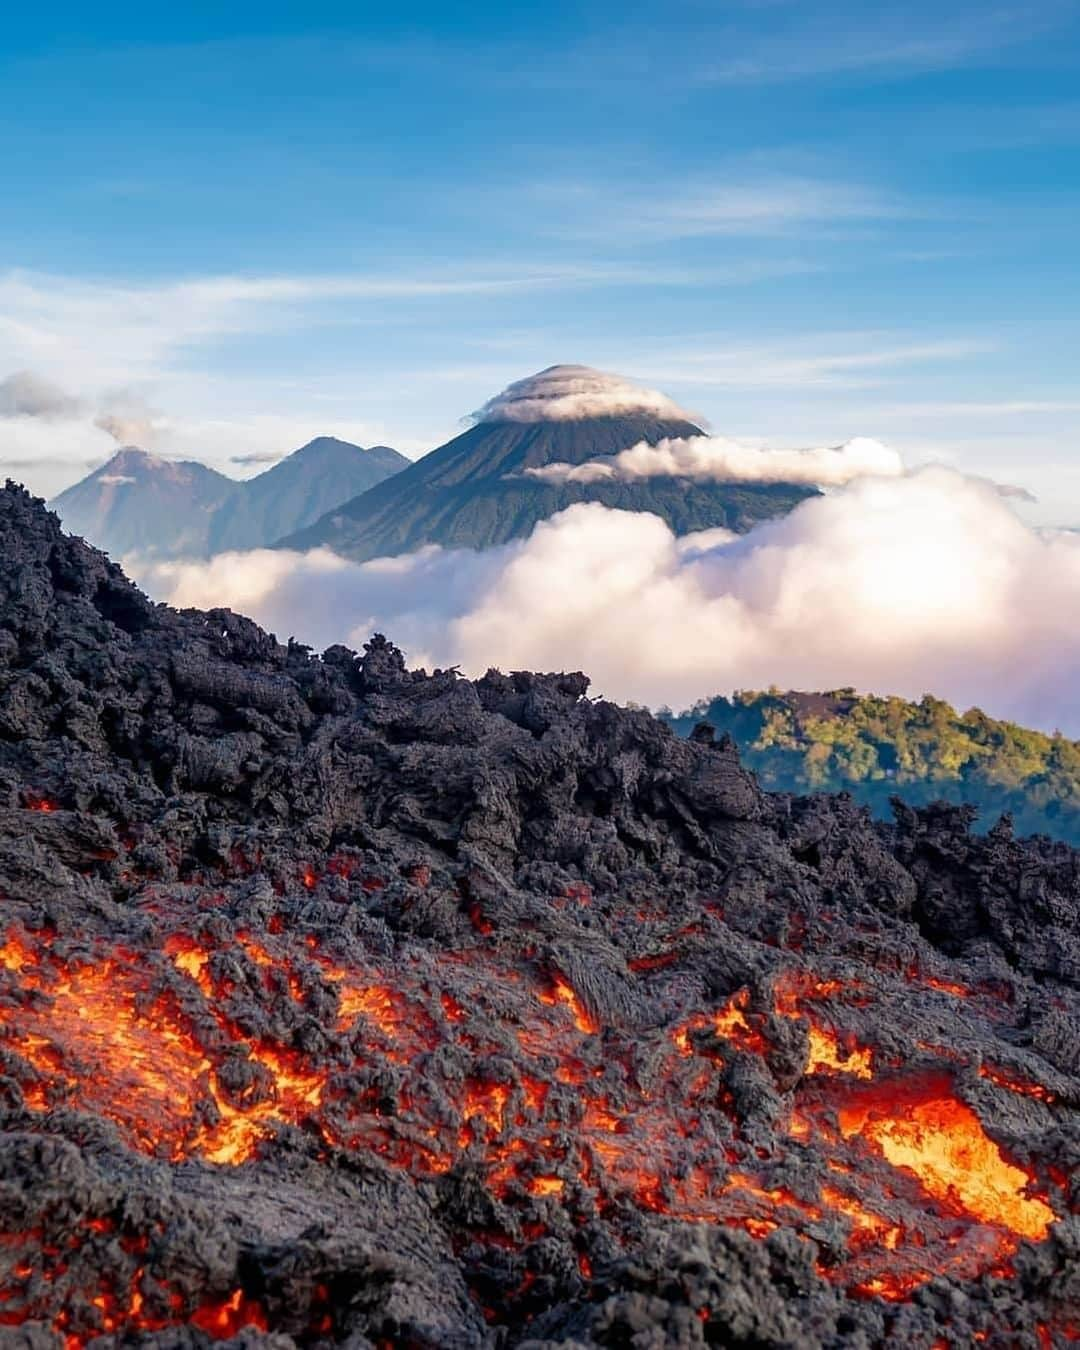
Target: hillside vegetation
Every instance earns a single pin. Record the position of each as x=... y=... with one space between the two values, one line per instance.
x=877 y=748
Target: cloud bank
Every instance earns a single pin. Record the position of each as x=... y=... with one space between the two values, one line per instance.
x=24 y=394
x=715 y=459
x=925 y=582
x=565 y=393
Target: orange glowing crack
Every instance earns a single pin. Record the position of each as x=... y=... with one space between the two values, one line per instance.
x=376 y=1002
x=1022 y=1086
x=486 y=1101
x=866 y=1225
x=730 y=1023
x=97 y=1038
x=825 y=1054
x=119 y=1308
x=563 y=992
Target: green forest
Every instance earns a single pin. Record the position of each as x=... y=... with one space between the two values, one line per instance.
x=878 y=748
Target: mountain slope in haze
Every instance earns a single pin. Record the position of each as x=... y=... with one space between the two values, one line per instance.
x=141 y=503
x=474 y=492
x=878 y=748
x=297 y=491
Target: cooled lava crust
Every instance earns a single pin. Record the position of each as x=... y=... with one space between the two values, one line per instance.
x=348 y=1005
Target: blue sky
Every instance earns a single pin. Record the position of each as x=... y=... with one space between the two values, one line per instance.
x=252 y=224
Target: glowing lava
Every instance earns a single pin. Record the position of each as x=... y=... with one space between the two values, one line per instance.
x=580 y=1109
x=943 y=1143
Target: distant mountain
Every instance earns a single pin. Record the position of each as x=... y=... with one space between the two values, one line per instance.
x=878 y=748
x=476 y=491
x=297 y=491
x=141 y=503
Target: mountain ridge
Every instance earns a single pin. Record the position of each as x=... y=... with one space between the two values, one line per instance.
x=138 y=502
x=298 y=490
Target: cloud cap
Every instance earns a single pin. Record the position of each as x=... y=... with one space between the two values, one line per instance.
x=569 y=393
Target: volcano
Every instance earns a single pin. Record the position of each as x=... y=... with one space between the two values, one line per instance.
x=476 y=491
x=299 y=490
x=158 y=508
x=140 y=503
x=351 y=1005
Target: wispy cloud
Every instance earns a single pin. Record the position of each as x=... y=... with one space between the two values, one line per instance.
x=258 y=457
x=101 y=331
x=57 y=320
x=835 y=40
x=975 y=408
x=853 y=360
x=739 y=202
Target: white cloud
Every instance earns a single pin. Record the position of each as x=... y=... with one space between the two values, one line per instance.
x=926 y=582
x=258 y=457
x=563 y=393
x=772 y=205
x=99 y=332
x=716 y=459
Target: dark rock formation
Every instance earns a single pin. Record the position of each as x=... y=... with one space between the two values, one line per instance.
x=343 y=1004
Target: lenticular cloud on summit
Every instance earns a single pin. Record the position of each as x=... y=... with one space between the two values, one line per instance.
x=567 y=393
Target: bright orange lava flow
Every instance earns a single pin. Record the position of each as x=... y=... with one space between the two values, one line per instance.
x=944 y=1144
x=143 y=1041
x=99 y=1042
x=826 y=1054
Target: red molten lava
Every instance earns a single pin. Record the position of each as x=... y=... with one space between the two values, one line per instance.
x=943 y=1144
x=551 y=1105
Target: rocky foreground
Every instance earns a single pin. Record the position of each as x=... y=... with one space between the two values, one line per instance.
x=350 y=1005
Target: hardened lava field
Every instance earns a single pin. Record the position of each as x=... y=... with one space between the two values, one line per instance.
x=347 y=1005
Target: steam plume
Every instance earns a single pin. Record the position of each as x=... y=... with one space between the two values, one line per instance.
x=128 y=429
